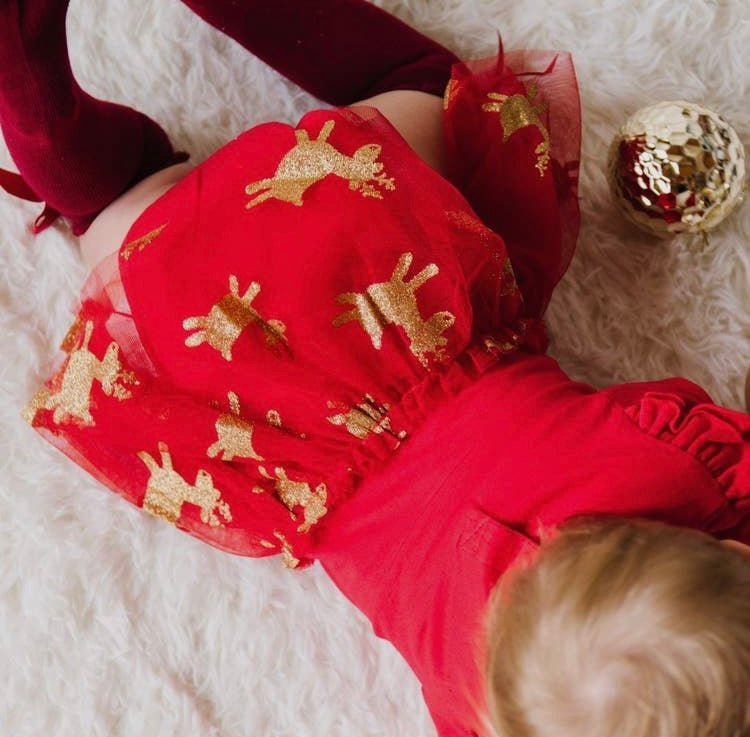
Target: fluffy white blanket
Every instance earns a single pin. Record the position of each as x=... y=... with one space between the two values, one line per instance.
x=113 y=623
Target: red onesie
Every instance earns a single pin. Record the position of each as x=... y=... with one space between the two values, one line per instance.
x=316 y=346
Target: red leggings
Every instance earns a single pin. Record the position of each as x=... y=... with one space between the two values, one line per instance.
x=77 y=153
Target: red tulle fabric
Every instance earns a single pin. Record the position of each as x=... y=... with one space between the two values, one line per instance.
x=279 y=322
x=527 y=188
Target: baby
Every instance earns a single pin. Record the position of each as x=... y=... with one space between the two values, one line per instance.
x=623 y=627
x=268 y=412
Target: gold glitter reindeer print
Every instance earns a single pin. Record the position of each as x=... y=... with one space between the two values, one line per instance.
x=364 y=418
x=167 y=491
x=287 y=553
x=311 y=161
x=224 y=324
x=298 y=493
x=73 y=399
x=140 y=243
x=518 y=111
x=395 y=302
x=234 y=435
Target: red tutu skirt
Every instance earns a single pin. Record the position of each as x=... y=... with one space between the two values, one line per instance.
x=281 y=320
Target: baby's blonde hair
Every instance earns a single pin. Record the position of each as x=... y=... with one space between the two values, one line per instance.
x=622 y=628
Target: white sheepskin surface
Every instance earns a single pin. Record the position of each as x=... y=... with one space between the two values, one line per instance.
x=114 y=623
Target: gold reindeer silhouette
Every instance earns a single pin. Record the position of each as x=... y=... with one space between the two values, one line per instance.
x=287 y=553
x=516 y=112
x=228 y=318
x=73 y=399
x=167 y=491
x=311 y=161
x=298 y=493
x=363 y=418
x=234 y=435
x=394 y=302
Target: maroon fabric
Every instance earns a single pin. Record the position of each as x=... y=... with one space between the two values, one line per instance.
x=341 y=51
x=15 y=185
x=77 y=153
x=74 y=152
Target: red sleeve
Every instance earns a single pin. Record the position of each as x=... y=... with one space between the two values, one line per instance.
x=682 y=414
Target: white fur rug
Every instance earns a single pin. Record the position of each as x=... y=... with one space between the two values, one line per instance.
x=113 y=623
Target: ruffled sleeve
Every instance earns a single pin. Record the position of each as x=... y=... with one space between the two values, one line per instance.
x=680 y=413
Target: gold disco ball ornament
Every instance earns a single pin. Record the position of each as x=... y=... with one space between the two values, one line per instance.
x=677 y=167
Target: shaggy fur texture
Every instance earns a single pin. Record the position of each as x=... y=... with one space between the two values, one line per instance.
x=111 y=622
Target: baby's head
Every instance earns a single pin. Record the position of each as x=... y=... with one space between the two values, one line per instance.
x=627 y=628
